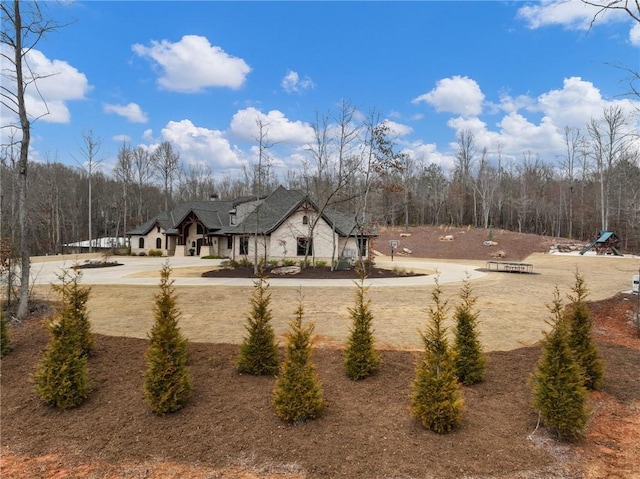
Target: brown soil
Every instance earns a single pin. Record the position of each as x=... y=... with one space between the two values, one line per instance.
x=228 y=428
x=467 y=243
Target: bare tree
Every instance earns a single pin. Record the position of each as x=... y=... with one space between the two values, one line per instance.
x=631 y=7
x=608 y=144
x=90 y=162
x=142 y=164
x=20 y=34
x=485 y=187
x=166 y=162
x=123 y=171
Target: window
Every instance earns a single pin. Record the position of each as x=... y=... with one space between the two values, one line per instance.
x=158 y=243
x=305 y=220
x=199 y=229
x=305 y=246
x=141 y=243
x=158 y=229
x=229 y=242
x=244 y=245
x=232 y=219
x=362 y=246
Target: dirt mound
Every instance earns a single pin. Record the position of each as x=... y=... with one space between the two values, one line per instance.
x=440 y=242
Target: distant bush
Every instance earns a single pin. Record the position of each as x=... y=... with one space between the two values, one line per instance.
x=273 y=262
x=321 y=264
x=212 y=256
x=304 y=263
x=240 y=263
x=155 y=252
x=289 y=262
x=142 y=253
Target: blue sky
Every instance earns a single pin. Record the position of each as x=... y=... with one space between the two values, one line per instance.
x=199 y=74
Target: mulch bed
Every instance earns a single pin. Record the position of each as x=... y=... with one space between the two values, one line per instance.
x=366 y=431
x=307 y=273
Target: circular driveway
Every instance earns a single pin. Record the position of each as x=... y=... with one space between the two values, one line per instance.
x=186 y=272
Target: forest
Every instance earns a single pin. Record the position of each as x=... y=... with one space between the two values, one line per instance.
x=352 y=166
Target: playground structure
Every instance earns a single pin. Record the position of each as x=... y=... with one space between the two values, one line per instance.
x=606 y=243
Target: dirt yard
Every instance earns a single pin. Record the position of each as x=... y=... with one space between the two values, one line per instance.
x=228 y=429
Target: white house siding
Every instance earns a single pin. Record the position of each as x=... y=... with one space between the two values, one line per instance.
x=149 y=242
x=294 y=228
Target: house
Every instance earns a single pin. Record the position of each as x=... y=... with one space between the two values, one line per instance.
x=287 y=224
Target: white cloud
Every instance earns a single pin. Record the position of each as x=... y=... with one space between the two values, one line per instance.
x=277 y=127
x=57 y=84
x=574 y=105
x=570 y=13
x=291 y=83
x=634 y=35
x=193 y=64
x=575 y=15
x=398 y=129
x=121 y=138
x=458 y=95
x=132 y=112
x=198 y=145
x=427 y=153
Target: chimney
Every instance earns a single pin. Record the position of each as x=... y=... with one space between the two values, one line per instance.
x=213 y=197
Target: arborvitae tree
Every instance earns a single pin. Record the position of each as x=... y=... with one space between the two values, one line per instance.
x=61 y=378
x=74 y=300
x=361 y=359
x=580 y=341
x=437 y=400
x=5 y=340
x=298 y=393
x=559 y=392
x=259 y=350
x=167 y=384
x=470 y=361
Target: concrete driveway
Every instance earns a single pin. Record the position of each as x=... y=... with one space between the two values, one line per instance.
x=186 y=272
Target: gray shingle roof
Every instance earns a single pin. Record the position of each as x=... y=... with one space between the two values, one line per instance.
x=267 y=217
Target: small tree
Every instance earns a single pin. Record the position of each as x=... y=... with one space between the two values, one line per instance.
x=298 y=393
x=361 y=359
x=61 y=377
x=436 y=399
x=470 y=362
x=580 y=341
x=5 y=340
x=259 y=350
x=167 y=384
x=559 y=392
x=74 y=300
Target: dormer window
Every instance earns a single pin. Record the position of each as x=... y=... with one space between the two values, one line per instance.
x=305 y=220
x=232 y=217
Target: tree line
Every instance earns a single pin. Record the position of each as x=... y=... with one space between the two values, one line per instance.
x=594 y=186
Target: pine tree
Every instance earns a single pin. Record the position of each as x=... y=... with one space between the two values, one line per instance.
x=5 y=339
x=436 y=399
x=559 y=392
x=259 y=351
x=74 y=300
x=61 y=377
x=298 y=393
x=580 y=341
x=470 y=362
x=167 y=383
x=361 y=359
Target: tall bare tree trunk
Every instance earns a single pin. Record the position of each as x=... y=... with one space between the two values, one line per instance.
x=23 y=163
